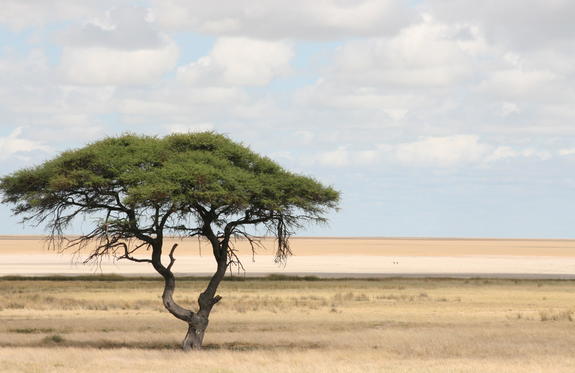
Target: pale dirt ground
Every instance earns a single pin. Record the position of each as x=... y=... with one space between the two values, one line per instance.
x=27 y=255
x=351 y=326
x=313 y=246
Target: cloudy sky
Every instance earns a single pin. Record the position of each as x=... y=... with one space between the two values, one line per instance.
x=433 y=118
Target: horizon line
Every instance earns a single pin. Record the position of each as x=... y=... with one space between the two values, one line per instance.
x=429 y=238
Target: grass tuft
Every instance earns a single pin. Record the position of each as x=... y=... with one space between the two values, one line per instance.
x=56 y=338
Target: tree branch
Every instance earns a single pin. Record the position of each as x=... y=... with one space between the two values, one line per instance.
x=172 y=259
x=127 y=254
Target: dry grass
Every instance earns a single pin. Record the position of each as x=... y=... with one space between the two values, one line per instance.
x=403 y=325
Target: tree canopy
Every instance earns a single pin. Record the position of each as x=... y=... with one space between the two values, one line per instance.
x=145 y=183
x=141 y=188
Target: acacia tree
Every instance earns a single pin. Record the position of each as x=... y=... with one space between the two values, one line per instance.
x=141 y=189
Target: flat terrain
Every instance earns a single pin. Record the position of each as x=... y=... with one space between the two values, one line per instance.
x=326 y=257
x=337 y=246
x=280 y=326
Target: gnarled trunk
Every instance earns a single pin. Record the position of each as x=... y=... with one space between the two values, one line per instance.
x=197 y=321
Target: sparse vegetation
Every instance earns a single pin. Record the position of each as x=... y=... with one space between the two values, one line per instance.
x=404 y=325
x=31 y=330
x=554 y=315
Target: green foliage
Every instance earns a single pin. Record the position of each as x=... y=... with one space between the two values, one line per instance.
x=174 y=174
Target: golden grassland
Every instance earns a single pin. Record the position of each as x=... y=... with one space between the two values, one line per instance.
x=284 y=325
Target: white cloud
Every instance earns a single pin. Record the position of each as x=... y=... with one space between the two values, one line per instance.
x=509 y=108
x=14 y=144
x=240 y=61
x=423 y=80
x=500 y=153
x=122 y=46
x=174 y=99
x=279 y=19
x=66 y=126
x=123 y=27
x=19 y=14
x=335 y=158
x=517 y=83
x=521 y=24
x=435 y=78
x=434 y=152
x=335 y=95
x=408 y=81
x=109 y=66
x=534 y=153
x=426 y=54
x=458 y=150
x=442 y=151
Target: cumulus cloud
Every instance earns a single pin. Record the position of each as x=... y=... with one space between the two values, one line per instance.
x=109 y=66
x=171 y=99
x=342 y=157
x=240 y=61
x=124 y=27
x=435 y=152
x=438 y=77
x=398 y=81
x=122 y=47
x=14 y=145
x=442 y=151
x=509 y=108
x=19 y=14
x=424 y=54
x=335 y=158
x=517 y=83
x=33 y=97
x=521 y=24
x=419 y=76
x=279 y=19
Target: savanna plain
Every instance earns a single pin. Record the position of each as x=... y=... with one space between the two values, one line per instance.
x=285 y=324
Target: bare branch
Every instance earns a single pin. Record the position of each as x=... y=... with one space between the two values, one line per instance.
x=234 y=260
x=127 y=254
x=252 y=240
x=171 y=256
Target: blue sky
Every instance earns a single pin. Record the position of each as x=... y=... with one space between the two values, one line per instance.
x=433 y=118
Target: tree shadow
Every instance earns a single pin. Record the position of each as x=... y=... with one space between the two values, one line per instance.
x=57 y=341
x=245 y=346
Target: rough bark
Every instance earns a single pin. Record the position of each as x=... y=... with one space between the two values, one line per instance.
x=169 y=286
x=195 y=335
x=197 y=321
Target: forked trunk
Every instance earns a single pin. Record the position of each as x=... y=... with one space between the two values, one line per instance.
x=197 y=321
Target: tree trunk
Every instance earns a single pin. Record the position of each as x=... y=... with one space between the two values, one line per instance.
x=195 y=335
x=197 y=321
